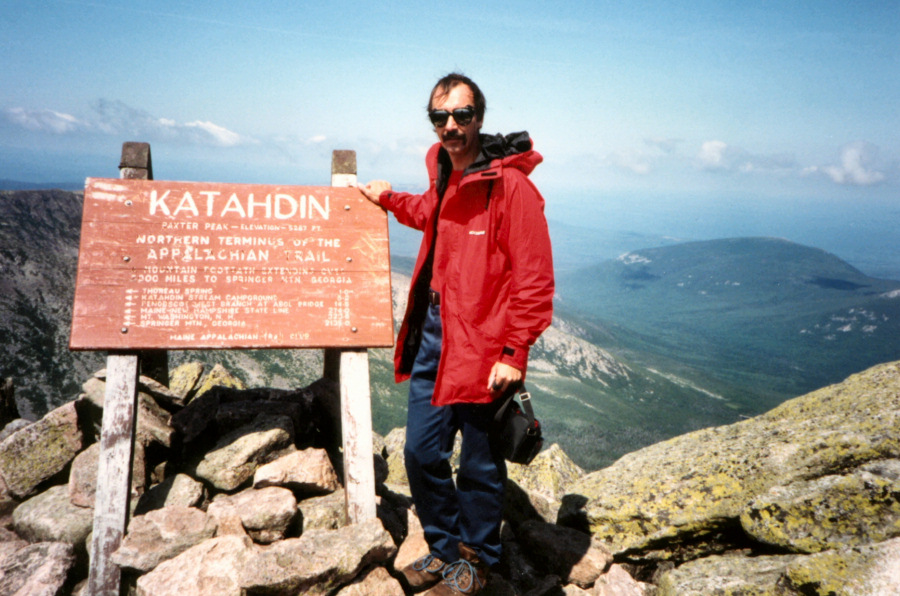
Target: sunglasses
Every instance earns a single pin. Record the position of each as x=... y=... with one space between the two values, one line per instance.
x=462 y=116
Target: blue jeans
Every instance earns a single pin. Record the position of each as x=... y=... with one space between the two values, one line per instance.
x=469 y=511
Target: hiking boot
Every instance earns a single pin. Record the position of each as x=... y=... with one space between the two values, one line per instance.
x=466 y=576
x=423 y=572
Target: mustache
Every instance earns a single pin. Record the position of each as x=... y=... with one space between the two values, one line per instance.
x=452 y=135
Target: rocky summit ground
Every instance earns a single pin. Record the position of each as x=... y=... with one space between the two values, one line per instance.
x=238 y=491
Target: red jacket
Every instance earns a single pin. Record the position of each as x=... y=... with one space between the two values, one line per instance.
x=497 y=294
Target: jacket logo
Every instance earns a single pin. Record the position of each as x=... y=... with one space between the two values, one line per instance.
x=476 y=232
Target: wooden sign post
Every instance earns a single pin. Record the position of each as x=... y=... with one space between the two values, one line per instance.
x=186 y=265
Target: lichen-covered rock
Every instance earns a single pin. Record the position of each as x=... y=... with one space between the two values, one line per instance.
x=51 y=517
x=697 y=483
x=35 y=453
x=872 y=570
x=183 y=379
x=829 y=512
x=238 y=454
x=323 y=513
x=534 y=491
x=729 y=575
x=219 y=377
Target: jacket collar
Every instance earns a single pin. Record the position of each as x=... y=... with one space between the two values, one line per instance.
x=496 y=152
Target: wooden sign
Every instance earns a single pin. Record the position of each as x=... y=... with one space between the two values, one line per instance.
x=189 y=265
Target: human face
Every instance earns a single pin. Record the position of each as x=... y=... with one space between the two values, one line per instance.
x=460 y=142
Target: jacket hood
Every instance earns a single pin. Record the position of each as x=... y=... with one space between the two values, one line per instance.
x=511 y=150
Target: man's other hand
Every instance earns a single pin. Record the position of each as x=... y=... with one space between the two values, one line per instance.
x=503 y=376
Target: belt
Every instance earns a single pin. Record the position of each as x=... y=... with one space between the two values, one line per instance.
x=434 y=298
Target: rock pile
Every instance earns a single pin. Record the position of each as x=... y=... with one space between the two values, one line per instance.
x=238 y=491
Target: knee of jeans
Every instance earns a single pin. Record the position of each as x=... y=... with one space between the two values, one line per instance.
x=432 y=462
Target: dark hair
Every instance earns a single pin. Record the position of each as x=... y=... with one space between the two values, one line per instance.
x=447 y=83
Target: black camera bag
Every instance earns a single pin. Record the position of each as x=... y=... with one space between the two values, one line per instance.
x=518 y=432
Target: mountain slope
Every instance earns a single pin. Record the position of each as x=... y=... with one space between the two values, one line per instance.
x=767 y=317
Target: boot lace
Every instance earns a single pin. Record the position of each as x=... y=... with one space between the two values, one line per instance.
x=461 y=576
x=423 y=563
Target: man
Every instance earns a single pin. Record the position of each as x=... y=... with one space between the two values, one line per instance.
x=481 y=294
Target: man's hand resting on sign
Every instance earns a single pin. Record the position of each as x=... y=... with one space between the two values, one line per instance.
x=503 y=376
x=373 y=189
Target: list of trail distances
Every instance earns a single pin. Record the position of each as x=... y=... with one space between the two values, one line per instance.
x=190 y=265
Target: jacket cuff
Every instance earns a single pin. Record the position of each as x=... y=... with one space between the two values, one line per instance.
x=515 y=357
x=384 y=198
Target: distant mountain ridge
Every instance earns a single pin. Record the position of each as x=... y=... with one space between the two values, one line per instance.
x=748 y=311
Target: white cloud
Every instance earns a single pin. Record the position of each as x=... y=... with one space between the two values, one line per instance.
x=43 y=120
x=856 y=166
x=118 y=119
x=720 y=156
x=712 y=155
x=220 y=135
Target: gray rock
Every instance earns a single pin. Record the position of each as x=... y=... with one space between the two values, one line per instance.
x=377 y=582
x=211 y=568
x=871 y=570
x=826 y=513
x=9 y=543
x=318 y=562
x=83 y=475
x=727 y=576
x=37 y=570
x=618 y=582
x=37 y=452
x=534 y=491
x=694 y=485
x=179 y=490
x=13 y=426
x=307 y=472
x=51 y=517
x=161 y=535
x=154 y=424
x=8 y=501
x=238 y=454
x=323 y=513
x=266 y=513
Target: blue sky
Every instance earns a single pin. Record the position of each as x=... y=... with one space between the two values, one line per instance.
x=776 y=101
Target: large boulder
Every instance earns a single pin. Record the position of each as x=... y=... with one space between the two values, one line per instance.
x=306 y=472
x=239 y=453
x=266 y=514
x=319 y=561
x=671 y=499
x=51 y=517
x=871 y=570
x=40 y=450
x=211 y=568
x=40 y=569
x=162 y=534
x=830 y=512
